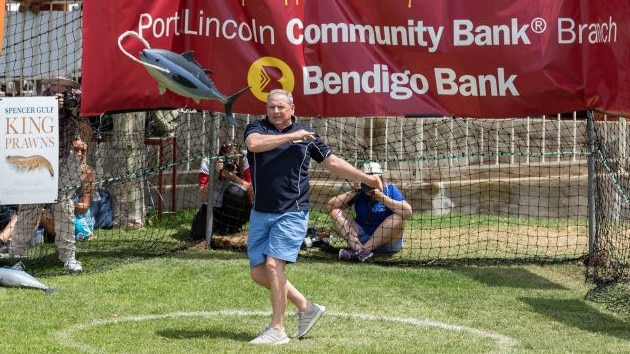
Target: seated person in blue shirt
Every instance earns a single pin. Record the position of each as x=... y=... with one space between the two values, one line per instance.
x=379 y=218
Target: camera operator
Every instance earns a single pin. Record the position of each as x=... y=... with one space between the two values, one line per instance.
x=74 y=136
x=231 y=196
x=71 y=124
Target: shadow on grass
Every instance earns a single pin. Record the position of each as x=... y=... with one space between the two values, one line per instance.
x=578 y=314
x=219 y=254
x=191 y=334
x=507 y=277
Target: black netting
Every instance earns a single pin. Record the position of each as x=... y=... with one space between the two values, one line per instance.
x=500 y=190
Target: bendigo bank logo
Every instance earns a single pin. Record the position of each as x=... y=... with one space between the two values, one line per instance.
x=268 y=73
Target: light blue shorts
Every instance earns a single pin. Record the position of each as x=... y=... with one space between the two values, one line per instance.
x=275 y=235
x=393 y=247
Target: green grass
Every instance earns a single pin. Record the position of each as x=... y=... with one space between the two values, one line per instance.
x=486 y=238
x=427 y=221
x=202 y=301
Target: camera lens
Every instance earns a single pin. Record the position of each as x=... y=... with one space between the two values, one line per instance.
x=70 y=101
x=229 y=165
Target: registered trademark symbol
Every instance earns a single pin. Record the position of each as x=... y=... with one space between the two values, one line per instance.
x=538 y=25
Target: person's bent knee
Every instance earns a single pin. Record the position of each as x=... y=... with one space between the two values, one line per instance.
x=337 y=213
x=272 y=265
x=395 y=221
x=258 y=273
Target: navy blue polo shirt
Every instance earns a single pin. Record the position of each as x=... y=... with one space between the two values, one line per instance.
x=280 y=176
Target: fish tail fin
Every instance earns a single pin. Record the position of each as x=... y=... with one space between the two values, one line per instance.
x=230 y=102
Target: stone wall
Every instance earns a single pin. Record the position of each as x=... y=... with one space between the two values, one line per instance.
x=553 y=190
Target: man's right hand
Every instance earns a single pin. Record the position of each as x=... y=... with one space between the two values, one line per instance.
x=374 y=181
x=302 y=135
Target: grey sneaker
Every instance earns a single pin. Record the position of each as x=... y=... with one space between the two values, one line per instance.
x=306 y=320
x=271 y=336
x=73 y=265
x=363 y=256
x=346 y=254
x=350 y=255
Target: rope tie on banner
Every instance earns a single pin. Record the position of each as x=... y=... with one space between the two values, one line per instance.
x=146 y=45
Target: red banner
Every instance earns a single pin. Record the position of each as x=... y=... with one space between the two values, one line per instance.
x=493 y=58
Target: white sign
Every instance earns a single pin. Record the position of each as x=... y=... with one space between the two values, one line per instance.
x=29 y=150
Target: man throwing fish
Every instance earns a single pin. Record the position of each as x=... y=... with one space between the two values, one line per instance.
x=279 y=153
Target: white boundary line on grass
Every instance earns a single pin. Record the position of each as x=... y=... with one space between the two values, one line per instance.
x=66 y=336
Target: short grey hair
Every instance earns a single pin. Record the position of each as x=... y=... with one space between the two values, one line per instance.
x=281 y=92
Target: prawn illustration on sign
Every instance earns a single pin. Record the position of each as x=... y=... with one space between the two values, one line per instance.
x=181 y=74
x=30 y=163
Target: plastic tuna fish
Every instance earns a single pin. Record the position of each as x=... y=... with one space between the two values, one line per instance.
x=182 y=74
x=16 y=277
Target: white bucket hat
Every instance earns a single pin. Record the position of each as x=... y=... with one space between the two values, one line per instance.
x=60 y=78
x=372 y=168
x=60 y=81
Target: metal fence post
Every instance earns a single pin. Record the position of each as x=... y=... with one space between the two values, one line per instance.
x=590 y=133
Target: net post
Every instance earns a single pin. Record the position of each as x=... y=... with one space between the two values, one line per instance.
x=590 y=133
x=214 y=126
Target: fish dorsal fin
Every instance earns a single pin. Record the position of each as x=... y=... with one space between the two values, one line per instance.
x=190 y=57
